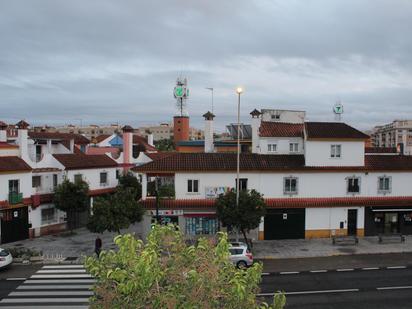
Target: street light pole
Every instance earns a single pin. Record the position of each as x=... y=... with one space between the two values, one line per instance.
x=239 y=91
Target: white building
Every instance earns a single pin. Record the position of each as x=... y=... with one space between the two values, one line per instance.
x=397 y=134
x=316 y=179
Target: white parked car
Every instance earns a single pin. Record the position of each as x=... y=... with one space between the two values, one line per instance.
x=5 y=258
x=241 y=256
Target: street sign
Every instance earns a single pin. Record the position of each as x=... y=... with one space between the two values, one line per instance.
x=338 y=108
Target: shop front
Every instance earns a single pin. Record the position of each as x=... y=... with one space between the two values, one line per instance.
x=384 y=220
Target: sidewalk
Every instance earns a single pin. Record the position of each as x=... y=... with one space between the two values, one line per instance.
x=323 y=247
x=65 y=247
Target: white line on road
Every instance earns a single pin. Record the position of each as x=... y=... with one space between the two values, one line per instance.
x=59 y=281
x=370 y=268
x=289 y=272
x=62 y=266
x=16 y=279
x=345 y=269
x=265 y=274
x=55 y=287
x=319 y=271
x=396 y=267
x=394 y=288
x=61 y=276
x=52 y=293
x=44 y=300
x=312 y=292
x=61 y=271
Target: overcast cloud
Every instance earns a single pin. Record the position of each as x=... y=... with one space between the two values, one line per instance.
x=117 y=61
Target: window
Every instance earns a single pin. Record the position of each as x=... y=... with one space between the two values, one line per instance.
x=193 y=186
x=48 y=216
x=78 y=178
x=235 y=251
x=14 y=186
x=103 y=178
x=293 y=147
x=353 y=185
x=384 y=184
x=117 y=174
x=55 y=180
x=276 y=116
x=335 y=151
x=36 y=181
x=201 y=226
x=290 y=185
x=272 y=147
x=242 y=184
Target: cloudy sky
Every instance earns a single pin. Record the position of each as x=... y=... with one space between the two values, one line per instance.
x=106 y=61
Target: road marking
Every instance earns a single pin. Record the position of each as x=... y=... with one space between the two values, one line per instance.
x=319 y=271
x=55 y=287
x=60 y=281
x=44 y=300
x=16 y=279
x=289 y=272
x=394 y=288
x=312 y=292
x=52 y=293
x=61 y=276
x=396 y=267
x=265 y=274
x=61 y=271
x=345 y=269
x=62 y=266
x=370 y=268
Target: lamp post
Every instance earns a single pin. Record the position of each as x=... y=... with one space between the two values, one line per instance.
x=239 y=91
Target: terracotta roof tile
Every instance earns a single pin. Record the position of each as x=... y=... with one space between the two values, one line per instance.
x=101 y=138
x=332 y=130
x=13 y=164
x=140 y=140
x=83 y=161
x=280 y=129
x=78 y=138
x=158 y=155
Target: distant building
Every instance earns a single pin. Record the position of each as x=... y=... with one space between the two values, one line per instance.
x=90 y=131
x=397 y=134
x=165 y=131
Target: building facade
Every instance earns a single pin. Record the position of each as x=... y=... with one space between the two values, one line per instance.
x=397 y=134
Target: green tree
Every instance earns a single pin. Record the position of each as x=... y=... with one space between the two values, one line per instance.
x=165 y=272
x=246 y=216
x=165 y=145
x=115 y=212
x=72 y=198
x=129 y=181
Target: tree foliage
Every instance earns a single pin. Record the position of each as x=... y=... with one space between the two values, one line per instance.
x=129 y=181
x=165 y=145
x=246 y=216
x=167 y=273
x=73 y=199
x=115 y=212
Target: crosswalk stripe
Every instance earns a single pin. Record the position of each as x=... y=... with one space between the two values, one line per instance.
x=60 y=281
x=54 y=287
x=61 y=271
x=52 y=293
x=44 y=300
x=62 y=266
x=62 y=276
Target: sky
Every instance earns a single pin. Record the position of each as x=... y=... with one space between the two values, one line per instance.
x=108 y=61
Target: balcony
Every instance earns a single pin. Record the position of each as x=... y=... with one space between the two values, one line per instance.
x=15 y=198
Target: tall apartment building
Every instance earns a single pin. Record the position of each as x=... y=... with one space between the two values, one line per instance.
x=395 y=134
x=90 y=131
x=165 y=131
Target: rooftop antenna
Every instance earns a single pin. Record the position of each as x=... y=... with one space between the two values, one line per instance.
x=338 y=110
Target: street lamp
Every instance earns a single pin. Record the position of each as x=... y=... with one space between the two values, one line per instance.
x=239 y=91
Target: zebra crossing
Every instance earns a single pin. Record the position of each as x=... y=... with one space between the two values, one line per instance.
x=52 y=286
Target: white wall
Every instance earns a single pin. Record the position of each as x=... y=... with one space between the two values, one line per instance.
x=25 y=184
x=92 y=177
x=282 y=144
x=330 y=218
x=317 y=153
x=47 y=182
x=35 y=217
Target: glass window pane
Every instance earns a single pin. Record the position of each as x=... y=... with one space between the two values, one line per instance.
x=189 y=186
x=195 y=185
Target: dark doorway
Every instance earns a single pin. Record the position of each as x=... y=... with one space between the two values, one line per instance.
x=285 y=224
x=14 y=225
x=352 y=221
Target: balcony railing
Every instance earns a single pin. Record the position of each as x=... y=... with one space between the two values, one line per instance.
x=15 y=198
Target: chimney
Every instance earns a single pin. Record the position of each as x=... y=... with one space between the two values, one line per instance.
x=209 y=146
x=127 y=144
x=72 y=145
x=3 y=132
x=22 y=127
x=150 y=139
x=256 y=120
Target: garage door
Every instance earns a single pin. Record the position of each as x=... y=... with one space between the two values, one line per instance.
x=285 y=224
x=14 y=224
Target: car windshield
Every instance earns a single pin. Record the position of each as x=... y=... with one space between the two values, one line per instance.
x=4 y=253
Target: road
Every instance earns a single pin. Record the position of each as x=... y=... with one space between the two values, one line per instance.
x=343 y=288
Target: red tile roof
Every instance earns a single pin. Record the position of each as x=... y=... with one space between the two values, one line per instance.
x=13 y=164
x=82 y=161
x=209 y=162
x=280 y=129
x=78 y=138
x=140 y=140
x=158 y=155
x=318 y=202
x=332 y=130
x=115 y=151
x=7 y=145
x=101 y=138
x=46 y=170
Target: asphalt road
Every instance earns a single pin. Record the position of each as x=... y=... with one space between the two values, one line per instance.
x=12 y=277
x=343 y=288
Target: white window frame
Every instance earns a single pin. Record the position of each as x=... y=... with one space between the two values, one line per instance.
x=347 y=184
x=336 y=151
x=272 y=147
x=293 y=147
x=193 y=186
x=288 y=192
x=385 y=191
x=49 y=221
